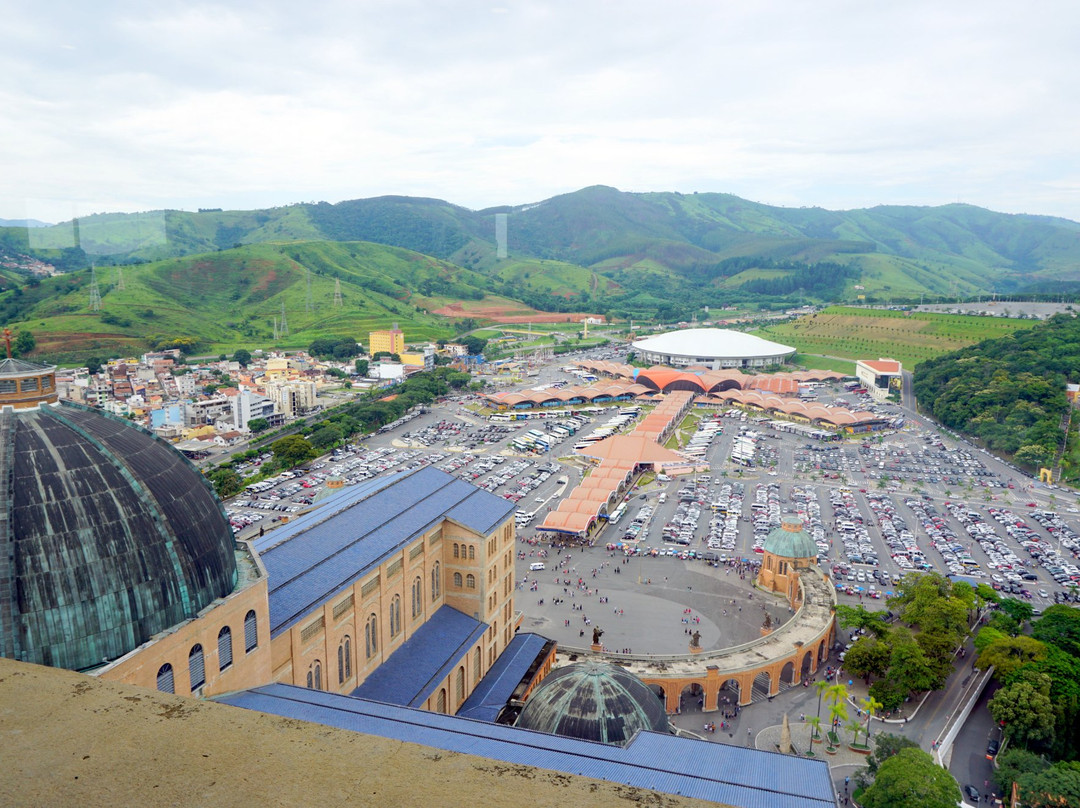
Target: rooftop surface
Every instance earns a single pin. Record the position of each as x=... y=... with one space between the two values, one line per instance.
x=414 y=670
x=718 y=343
x=498 y=685
x=351 y=533
x=730 y=775
x=84 y=741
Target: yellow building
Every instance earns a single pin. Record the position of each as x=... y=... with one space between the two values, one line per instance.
x=391 y=341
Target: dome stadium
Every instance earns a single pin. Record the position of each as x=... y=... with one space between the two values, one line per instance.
x=712 y=348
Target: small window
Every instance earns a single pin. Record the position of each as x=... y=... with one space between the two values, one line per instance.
x=341 y=664
x=196 y=667
x=417 y=597
x=470 y=581
x=455 y=550
x=472 y=552
x=371 y=637
x=29 y=384
x=440 y=704
x=460 y=685
x=395 y=615
x=348 y=658
x=165 y=679
x=435 y=588
x=251 y=633
x=457 y=580
x=224 y=648
x=314 y=676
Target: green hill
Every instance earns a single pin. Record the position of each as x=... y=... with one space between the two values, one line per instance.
x=230 y=299
x=651 y=254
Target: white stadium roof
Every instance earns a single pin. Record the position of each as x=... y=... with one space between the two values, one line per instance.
x=712 y=343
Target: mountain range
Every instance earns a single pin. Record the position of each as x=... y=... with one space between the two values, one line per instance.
x=646 y=255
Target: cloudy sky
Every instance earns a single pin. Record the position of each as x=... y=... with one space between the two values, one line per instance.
x=130 y=106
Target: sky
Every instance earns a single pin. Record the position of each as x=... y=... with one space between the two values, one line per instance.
x=133 y=106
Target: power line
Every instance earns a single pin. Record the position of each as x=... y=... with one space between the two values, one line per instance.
x=95 y=293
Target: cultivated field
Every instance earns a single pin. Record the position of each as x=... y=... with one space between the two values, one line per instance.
x=910 y=337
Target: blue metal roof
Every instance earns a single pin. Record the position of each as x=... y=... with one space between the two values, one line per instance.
x=415 y=669
x=727 y=774
x=495 y=689
x=324 y=551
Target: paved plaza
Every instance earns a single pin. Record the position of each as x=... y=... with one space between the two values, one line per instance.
x=640 y=603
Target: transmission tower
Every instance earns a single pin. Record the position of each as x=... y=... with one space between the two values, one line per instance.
x=283 y=328
x=310 y=305
x=275 y=329
x=120 y=279
x=337 y=293
x=95 y=293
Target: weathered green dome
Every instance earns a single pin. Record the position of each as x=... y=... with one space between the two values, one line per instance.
x=108 y=536
x=594 y=701
x=790 y=540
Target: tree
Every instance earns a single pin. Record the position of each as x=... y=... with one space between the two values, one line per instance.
x=861 y=618
x=890 y=694
x=361 y=367
x=93 y=366
x=474 y=345
x=1060 y=626
x=911 y=779
x=1052 y=787
x=24 y=343
x=868 y=657
x=1018 y=610
x=325 y=436
x=242 y=356
x=815 y=727
x=1007 y=654
x=870 y=706
x=226 y=481
x=292 y=450
x=258 y=425
x=910 y=668
x=821 y=686
x=1023 y=708
x=885 y=746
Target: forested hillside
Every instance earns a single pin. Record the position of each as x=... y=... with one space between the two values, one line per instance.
x=662 y=255
x=1007 y=392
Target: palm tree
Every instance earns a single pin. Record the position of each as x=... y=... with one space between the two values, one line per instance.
x=815 y=727
x=853 y=726
x=871 y=705
x=837 y=692
x=837 y=713
x=820 y=687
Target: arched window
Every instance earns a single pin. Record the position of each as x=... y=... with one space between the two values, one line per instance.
x=348 y=657
x=476 y=665
x=436 y=589
x=440 y=704
x=470 y=581
x=472 y=552
x=455 y=550
x=196 y=667
x=395 y=615
x=314 y=676
x=341 y=664
x=459 y=684
x=457 y=580
x=310 y=679
x=251 y=632
x=371 y=636
x=417 y=597
x=224 y=648
x=165 y=679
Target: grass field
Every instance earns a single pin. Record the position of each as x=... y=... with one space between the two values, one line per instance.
x=815 y=362
x=851 y=333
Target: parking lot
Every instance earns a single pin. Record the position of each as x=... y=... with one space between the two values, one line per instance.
x=876 y=505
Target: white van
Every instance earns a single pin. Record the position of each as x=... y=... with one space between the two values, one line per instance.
x=662 y=497
x=537 y=565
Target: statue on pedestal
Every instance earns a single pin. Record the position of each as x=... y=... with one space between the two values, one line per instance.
x=597 y=633
x=695 y=639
